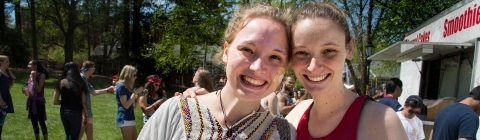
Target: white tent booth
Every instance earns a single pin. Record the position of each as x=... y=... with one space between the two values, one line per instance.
x=440 y=58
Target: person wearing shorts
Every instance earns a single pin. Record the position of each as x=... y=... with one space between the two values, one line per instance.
x=126 y=102
x=88 y=68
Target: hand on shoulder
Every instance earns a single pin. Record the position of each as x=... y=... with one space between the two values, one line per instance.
x=191 y=92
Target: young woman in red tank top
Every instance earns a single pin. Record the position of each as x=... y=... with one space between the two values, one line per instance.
x=321 y=44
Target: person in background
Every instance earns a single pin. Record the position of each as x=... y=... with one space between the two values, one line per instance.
x=37 y=112
x=88 y=68
x=378 y=93
x=270 y=103
x=114 y=83
x=6 y=82
x=305 y=96
x=126 y=97
x=459 y=120
x=70 y=93
x=202 y=80
x=154 y=97
x=220 y=83
x=284 y=99
x=408 y=116
x=393 y=91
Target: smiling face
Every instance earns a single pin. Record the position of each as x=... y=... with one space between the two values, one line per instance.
x=319 y=53
x=256 y=59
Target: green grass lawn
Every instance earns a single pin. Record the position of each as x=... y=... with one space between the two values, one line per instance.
x=18 y=127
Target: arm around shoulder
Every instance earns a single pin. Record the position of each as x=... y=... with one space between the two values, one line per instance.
x=165 y=123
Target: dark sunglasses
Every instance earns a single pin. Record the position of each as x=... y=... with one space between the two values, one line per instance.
x=413 y=112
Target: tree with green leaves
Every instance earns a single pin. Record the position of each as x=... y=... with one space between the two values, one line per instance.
x=191 y=28
x=67 y=16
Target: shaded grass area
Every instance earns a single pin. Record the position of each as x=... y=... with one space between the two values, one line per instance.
x=104 y=107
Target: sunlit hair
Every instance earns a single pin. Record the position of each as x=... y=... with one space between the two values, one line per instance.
x=126 y=76
x=323 y=10
x=245 y=14
x=204 y=79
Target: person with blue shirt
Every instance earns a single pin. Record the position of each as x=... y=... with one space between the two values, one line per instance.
x=393 y=91
x=126 y=101
x=458 y=120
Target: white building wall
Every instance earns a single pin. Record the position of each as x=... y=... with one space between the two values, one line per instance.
x=410 y=76
x=440 y=30
x=475 y=69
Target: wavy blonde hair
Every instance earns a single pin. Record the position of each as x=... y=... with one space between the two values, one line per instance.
x=126 y=76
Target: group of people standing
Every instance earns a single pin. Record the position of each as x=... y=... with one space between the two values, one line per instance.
x=73 y=93
x=34 y=89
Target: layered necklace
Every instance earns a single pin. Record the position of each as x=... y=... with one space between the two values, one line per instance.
x=230 y=129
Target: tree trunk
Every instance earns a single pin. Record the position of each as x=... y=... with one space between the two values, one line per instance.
x=106 y=31
x=368 y=39
x=2 y=19
x=89 y=43
x=136 y=34
x=70 y=34
x=34 y=29
x=353 y=77
x=126 y=32
x=18 y=18
x=69 y=43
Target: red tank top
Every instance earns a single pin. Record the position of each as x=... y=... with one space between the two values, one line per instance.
x=346 y=129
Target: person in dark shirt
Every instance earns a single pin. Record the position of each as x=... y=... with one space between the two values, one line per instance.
x=393 y=91
x=70 y=94
x=458 y=120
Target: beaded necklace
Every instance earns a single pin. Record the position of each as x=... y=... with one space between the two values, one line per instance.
x=225 y=118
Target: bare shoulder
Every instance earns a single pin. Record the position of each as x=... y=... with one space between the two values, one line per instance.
x=294 y=116
x=378 y=121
